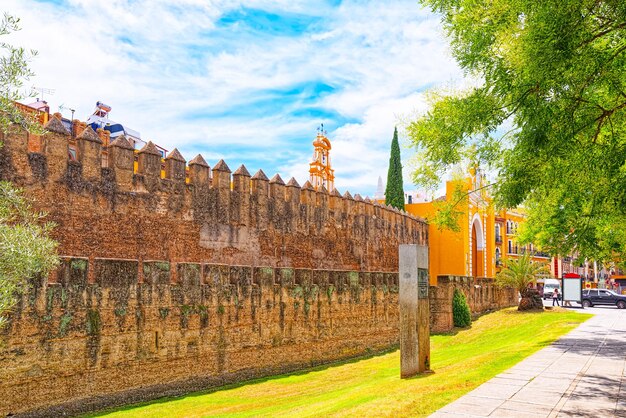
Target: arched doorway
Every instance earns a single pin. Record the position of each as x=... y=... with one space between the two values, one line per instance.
x=478 y=248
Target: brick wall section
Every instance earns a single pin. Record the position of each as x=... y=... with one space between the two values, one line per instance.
x=161 y=281
x=168 y=286
x=138 y=215
x=74 y=345
x=482 y=295
x=71 y=339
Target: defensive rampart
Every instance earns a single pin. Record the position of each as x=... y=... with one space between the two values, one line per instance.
x=482 y=295
x=177 y=276
x=118 y=340
x=110 y=201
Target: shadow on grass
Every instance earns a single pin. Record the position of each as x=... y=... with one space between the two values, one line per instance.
x=235 y=385
x=454 y=331
x=271 y=376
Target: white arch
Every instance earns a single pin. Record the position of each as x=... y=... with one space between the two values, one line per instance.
x=480 y=239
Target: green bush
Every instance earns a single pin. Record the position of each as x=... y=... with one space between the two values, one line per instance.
x=460 y=310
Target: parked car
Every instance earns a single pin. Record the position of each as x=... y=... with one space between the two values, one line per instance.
x=598 y=297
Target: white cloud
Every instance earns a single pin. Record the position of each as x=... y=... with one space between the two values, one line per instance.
x=157 y=62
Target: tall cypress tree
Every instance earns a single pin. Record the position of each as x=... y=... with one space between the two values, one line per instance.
x=394 y=193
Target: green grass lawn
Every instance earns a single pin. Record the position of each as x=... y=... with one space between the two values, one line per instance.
x=372 y=386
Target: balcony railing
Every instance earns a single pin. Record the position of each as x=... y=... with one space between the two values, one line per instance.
x=519 y=251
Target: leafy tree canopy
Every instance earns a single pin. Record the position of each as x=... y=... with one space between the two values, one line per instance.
x=25 y=245
x=14 y=72
x=26 y=250
x=547 y=113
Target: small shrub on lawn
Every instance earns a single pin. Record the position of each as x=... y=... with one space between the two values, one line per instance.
x=460 y=310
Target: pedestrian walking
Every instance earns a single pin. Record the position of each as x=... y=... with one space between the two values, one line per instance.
x=555 y=297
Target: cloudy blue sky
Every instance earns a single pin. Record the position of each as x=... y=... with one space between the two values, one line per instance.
x=247 y=81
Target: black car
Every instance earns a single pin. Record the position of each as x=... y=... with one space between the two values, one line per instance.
x=596 y=297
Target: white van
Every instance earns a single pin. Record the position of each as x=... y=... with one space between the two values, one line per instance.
x=548 y=288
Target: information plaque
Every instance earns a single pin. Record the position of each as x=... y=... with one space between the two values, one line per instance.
x=422 y=283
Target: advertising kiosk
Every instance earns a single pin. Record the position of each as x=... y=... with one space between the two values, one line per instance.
x=572 y=288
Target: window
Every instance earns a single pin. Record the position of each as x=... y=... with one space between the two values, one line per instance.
x=593 y=293
x=510 y=246
x=604 y=293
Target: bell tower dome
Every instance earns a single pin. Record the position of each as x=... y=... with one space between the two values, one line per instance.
x=321 y=173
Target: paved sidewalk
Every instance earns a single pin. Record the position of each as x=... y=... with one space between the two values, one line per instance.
x=580 y=375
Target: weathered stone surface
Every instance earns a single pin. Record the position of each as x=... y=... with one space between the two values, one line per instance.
x=198 y=160
x=161 y=285
x=482 y=295
x=186 y=326
x=55 y=125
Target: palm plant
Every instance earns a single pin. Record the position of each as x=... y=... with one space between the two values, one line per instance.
x=518 y=273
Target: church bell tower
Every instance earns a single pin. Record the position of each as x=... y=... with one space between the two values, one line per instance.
x=321 y=173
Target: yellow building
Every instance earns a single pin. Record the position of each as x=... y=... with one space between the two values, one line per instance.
x=485 y=239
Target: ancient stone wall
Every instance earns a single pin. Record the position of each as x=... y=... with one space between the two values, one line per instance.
x=178 y=276
x=482 y=295
x=75 y=346
x=118 y=340
x=108 y=205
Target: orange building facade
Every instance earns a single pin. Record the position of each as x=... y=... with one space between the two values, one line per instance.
x=485 y=238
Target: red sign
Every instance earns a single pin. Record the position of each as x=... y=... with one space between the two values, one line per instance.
x=556 y=267
x=571 y=276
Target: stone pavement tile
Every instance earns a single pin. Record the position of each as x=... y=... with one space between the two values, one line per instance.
x=526 y=367
x=537 y=396
x=561 y=375
x=518 y=375
x=495 y=391
x=549 y=384
x=571 y=362
x=608 y=369
x=597 y=387
x=538 y=361
x=473 y=406
x=584 y=413
x=620 y=410
x=440 y=414
x=508 y=413
x=525 y=408
x=593 y=392
x=587 y=409
x=569 y=370
x=508 y=381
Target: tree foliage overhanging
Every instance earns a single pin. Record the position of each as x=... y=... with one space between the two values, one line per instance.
x=394 y=192
x=14 y=72
x=552 y=75
x=26 y=249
